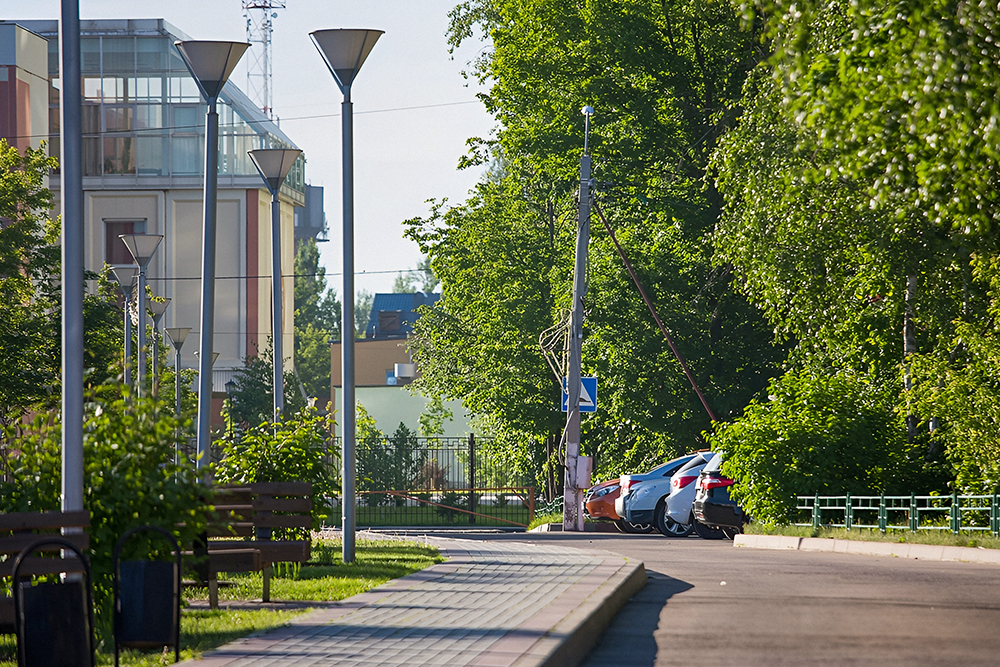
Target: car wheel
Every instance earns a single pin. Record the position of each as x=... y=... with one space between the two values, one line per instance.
x=667 y=526
x=707 y=532
x=620 y=525
x=730 y=532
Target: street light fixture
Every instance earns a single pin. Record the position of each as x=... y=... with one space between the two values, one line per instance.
x=177 y=336
x=125 y=276
x=273 y=165
x=210 y=63
x=156 y=309
x=344 y=51
x=142 y=247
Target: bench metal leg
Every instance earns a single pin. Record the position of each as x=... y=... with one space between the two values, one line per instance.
x=266 y=592
x=213 y=593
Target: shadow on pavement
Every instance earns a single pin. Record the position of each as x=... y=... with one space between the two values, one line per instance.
x=629 y=639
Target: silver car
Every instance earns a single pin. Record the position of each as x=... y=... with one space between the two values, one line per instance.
x=666 y=501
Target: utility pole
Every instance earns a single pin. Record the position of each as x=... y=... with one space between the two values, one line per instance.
x=572 y=493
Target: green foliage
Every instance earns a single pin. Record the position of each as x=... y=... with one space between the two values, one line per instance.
x=822 y=432
x=130 y=478
x=396 y=463
x=292 y=450
x=449 y=502
x=252 y=402
x=317 y=320
x=432 y=419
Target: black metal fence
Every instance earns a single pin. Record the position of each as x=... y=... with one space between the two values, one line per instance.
x=406 y=480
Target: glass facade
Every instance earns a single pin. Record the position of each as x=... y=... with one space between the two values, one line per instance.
x=143 y=115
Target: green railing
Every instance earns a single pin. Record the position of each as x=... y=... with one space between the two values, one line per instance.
x=953 y=513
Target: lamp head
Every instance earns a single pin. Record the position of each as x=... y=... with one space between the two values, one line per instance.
x=157 y=308
x=344 y=50
x=125 y=276
x=211 y=63
x=178 y=335
x=273 y=164
x=142 y=246
x=587 y=111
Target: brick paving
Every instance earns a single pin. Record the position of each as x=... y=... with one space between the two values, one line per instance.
x=490 y=605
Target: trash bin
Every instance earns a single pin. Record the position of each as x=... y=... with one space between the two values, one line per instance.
x=53 y=621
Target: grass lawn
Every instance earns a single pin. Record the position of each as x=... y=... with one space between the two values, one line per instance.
x=325 y=578
x=965 y=539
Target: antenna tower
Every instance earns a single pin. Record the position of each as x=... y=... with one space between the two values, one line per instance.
x=260 y=15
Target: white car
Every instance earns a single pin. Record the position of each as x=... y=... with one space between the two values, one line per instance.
x=666 y=502
x=660 y=472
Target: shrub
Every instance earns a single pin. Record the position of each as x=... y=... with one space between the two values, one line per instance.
x=130 y=478
x=292 y=450
x=817 y=433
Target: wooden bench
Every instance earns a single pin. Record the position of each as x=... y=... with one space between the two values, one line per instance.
x=18 y=530
x=241 y=527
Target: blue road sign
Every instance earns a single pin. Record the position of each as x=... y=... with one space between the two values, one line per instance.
x=588 y=395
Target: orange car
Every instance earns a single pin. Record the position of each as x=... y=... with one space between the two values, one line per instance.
x=599 y=503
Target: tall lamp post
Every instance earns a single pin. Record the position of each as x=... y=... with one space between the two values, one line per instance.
x=142 y=247
x=125 y=275
x=344 y=51
x=156 y=309
x=210 y=63
x=273 y=165
x=177 y=336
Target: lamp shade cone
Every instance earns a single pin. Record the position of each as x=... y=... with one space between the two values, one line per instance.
x=273 y=164
x=211 y=63
x=344 y=50
x=125 y=275
x=142 y=246
x=178 y=335
x=157 y=308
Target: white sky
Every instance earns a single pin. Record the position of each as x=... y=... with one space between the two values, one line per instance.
x=403 y=156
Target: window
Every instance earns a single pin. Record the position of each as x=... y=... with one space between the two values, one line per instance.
x=115 y=251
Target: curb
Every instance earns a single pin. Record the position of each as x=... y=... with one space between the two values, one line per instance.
x=894 y=549
x=584 y=627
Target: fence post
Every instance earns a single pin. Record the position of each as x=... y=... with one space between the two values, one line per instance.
x=817 y=517
x=995 y=515
x=882 y=514
x=531 y=504
x=472 y=477
x=848 y=514
x=956 y=521
x=914 y=513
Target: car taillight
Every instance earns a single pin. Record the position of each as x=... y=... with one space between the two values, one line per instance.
x=681 y=482
x=708 y=483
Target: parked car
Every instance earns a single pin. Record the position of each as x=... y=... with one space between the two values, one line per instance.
x=645 y=501
x=713 y=508
x=664 y=470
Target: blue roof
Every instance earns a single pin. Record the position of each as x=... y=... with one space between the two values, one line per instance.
x=399 y=313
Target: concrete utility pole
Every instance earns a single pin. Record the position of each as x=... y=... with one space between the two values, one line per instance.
x=572 y=493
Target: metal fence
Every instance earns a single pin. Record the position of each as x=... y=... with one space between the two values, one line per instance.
x=954 y=513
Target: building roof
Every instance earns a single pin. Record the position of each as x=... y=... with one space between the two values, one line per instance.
x=393 y=315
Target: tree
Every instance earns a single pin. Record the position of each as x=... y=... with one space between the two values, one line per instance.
x=664 y=78
x=252 y=403
x=30 y=314
x=421 y=279
x=317 y=320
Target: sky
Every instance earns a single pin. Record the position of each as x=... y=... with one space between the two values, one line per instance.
x=413 y=110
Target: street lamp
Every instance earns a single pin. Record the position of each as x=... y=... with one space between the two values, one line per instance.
x=177 y=336
x=125 y=276
x=273 y=164
x=142 y=247
x=344 y=51
x=230 y=390
x=156 y=309
x=210 y=63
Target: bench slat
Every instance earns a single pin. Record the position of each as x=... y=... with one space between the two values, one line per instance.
x=267 y=504
x=297 y=551
x=282 y=521
x=232 y=560
x=13 y=544
x=44 y=520
x=38 y=566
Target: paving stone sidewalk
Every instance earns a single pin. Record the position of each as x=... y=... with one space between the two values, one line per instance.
x=490 y=605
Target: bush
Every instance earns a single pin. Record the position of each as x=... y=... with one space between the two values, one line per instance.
x=817 y=433
x=292 y=450
x=130 y=478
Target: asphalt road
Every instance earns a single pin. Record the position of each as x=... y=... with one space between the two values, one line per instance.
x=708 y=603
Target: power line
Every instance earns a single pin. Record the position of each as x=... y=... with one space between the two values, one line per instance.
x=195 y=128
x=287 y=275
